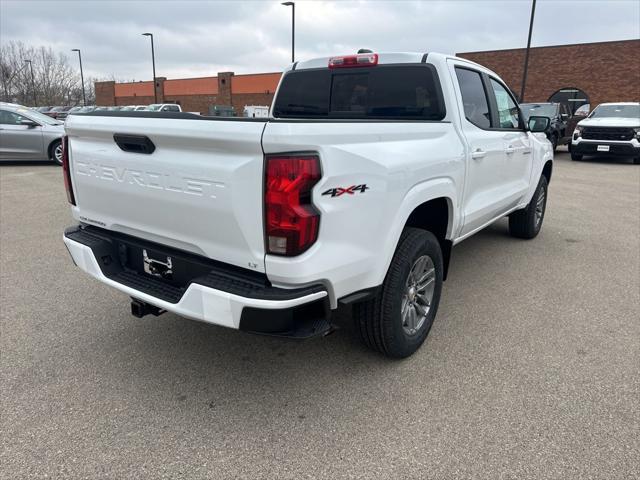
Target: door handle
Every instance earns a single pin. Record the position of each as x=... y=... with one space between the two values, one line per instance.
x=478 y=154
x=510 y=149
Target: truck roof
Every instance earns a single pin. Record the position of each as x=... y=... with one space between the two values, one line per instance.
x=384 y=58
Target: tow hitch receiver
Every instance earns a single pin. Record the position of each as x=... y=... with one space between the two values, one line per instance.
x=140 y=309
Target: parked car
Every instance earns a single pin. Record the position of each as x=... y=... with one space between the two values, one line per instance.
x=132 y=108
x=85 y=109
x=255 y=111
x=557 y=132
x=26 y=134
x=354 y=193
x=74 y=110
x=43 y=109
x=610 y=129
x=164 y=107
x=59 y=113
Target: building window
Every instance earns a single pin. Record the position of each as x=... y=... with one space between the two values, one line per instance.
x=573 y=98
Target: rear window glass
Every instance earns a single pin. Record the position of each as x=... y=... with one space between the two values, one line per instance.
x=383 y=92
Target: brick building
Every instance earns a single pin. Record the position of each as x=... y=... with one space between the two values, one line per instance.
x=573 y=74
x=596 y=72
x=194 y=94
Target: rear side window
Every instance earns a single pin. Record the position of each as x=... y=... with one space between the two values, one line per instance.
x=407 y=92
x=474 y=98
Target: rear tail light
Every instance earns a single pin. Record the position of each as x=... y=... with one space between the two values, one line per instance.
x=291 y=221
x=362 y=60
x=66 y=170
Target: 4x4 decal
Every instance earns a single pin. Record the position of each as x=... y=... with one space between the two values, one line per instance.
x=336 y=192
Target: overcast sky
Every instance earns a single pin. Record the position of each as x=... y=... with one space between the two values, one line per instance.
x=196 y=38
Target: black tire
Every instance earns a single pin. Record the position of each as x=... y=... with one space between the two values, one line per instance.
x=576 y=157
x=52 y=152
x=554 y=141
x=636 y=161
x=525 y=223
x=378 y=322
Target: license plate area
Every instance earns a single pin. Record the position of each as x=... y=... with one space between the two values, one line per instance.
x=603 y=148
x=170 y=267
x=160 y=266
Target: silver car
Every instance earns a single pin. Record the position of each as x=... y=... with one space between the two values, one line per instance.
x=26 y=134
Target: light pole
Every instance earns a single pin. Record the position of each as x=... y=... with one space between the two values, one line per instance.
x=153 y=62
x=293 y=28
x=33 y=83
x=84 y=98
x=526 y=55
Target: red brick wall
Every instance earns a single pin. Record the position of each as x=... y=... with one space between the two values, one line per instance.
x=606 y=72
x=193 y=103
x=105 y=93
x=134 y=100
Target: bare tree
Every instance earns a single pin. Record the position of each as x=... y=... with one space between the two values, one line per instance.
x=54 y=81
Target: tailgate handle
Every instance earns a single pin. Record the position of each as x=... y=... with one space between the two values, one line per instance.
x=134 y=143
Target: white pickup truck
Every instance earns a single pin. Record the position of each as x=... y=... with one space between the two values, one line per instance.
x=369 y=169
x=610 y=129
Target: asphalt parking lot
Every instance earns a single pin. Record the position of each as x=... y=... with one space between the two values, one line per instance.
x=532 y=369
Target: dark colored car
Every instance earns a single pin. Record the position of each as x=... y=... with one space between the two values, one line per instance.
x=44 y=110
x=557 y=132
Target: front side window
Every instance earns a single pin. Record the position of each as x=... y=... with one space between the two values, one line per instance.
x=508 y=115
x=10 y=118
x=474 y=97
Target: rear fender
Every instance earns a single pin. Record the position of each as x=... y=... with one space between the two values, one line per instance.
x=419 y=194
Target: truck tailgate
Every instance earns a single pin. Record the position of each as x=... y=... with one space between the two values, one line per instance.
x=200 y=190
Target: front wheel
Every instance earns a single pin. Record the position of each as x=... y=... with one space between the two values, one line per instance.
x=576 y=157
x=55 y=152
x=526 y=223
x=397 y=321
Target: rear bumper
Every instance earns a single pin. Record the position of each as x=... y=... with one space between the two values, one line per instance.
x=217 y=294
x=590 y=147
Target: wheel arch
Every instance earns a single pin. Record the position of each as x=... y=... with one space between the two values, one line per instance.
x=428 y=205
x=435 y=216
x=52 y=142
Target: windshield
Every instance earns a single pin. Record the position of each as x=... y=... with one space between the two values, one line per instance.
x=621 y=111
x=538 y=110
x=155 y=107
x=38 y=117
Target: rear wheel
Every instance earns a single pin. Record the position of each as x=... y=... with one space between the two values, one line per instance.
x=397 y=321
x=576 y=157
x=55 y=152
x=554 y=141
x=526 y=223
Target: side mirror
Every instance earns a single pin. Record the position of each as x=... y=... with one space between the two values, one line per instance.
x=538 y=124
x=29 y=123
